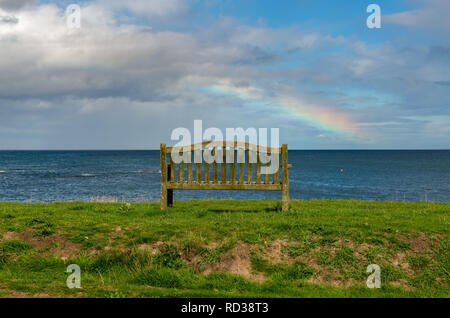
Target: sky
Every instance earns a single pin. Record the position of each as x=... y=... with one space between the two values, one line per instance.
x=136 y=70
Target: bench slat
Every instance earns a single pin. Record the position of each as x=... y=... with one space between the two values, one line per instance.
x=207 y=158
x=189 y=166
x=213 y=143
x=224 y=162
x=198 y=165
x=249 y=166
x=232 y=164
x=221 y=186
x=181 y=167
x=215 y=166
x=267 y=168
x=258 y=167
x=276 y=164
x=173 y=176
x=241 y=165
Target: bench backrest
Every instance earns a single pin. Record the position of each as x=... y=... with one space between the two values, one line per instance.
x=254 y=165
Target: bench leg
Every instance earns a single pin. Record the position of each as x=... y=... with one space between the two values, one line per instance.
x=284 y=179
x=163 y=176
x=164 y=195
x=285 y=201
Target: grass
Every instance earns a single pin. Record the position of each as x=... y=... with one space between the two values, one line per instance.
x=225 y=248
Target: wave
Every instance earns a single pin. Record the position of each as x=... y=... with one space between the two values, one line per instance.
x=117 y=173
x=2 y=171
x=150 y=171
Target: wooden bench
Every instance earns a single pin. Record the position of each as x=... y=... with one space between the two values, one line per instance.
x=210 y=153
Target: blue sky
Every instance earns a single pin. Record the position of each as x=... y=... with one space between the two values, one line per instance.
x=137 y=69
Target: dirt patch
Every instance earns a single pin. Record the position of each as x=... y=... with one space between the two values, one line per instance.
x=191 y=259
x=213 y=244
x=42 y=295
x=399 y=260
x=327 y=277
x=364 y=247
x=401 y=284
x=309 y=260
x=237 y=261
x=345 y=242
x=55 y=244
x=17 y=294
x=360 y=253
x=419 y=242
x=151 y=247
x=275 y=253
x=8 y=236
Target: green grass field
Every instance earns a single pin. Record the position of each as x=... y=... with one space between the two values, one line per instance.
x=225 y=249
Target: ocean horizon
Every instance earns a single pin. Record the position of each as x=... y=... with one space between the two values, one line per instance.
x=133 y=176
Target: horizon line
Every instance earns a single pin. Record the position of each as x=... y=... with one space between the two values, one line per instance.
x=303 y=149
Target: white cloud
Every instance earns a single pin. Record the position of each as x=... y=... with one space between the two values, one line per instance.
x=130 y=79
x=433 y=16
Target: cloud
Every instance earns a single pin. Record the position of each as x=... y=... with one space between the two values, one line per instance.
x=8 y=20
x=13 y=5
x=433 y=16
x=115 y=85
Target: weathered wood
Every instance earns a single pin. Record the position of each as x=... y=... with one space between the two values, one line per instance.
x=249 y=157
x=207 y=157
x=172 y=175
x=258 y=167
x=224 y=162
x=221 y=186
x=232 y=163
x=276 y=165
x=245 y=158
x=181 y=167
x=267 y=168
x=189 y=166
x=215 y=166
x=285 y=178
x=170 y=191
x=163 y=158
x=241 y=165
x=198 y=165
x=218 y=143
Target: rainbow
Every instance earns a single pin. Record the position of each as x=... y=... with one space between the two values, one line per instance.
x=320 y=117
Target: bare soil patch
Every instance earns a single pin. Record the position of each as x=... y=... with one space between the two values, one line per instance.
x=274 y=251
x=237 y=261
x=152 y=247
x=54 y=244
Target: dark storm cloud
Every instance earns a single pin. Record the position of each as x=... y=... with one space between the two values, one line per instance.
x=8 y=20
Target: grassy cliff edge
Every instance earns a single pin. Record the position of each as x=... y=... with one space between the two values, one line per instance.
x=225 y=248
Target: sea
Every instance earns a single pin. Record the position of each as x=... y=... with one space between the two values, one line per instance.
x=134 y=176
